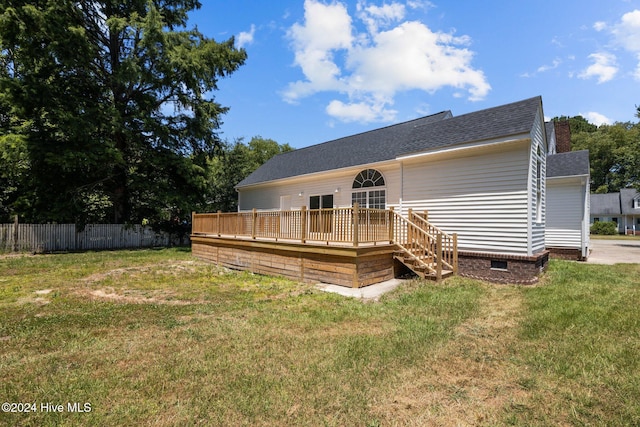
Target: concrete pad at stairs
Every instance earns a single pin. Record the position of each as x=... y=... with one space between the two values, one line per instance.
x=371 y=292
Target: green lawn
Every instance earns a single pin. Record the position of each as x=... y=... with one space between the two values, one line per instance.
x=155 y=337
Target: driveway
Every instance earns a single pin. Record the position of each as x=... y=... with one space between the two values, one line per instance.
x=614 y=251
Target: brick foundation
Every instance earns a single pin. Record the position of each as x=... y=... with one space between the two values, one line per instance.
x=522 y=270
x=566 y=254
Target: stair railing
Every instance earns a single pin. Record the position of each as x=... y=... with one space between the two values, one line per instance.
x=419 y=244
x=449 y=252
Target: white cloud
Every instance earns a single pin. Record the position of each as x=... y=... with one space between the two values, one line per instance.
x=380 y=16
x=555 y=64
x=599 y=26
x=246 y=38
x=626 y=33
x=327 y=28
x=596 y=118
x=393 y=55
x=604 y=67
x=360 y=111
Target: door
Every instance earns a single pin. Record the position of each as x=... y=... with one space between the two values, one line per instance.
x=320 y=220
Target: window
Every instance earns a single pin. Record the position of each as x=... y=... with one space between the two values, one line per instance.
x=636 y=203
x=538 y=186
x=368 y=178
x=374 y=198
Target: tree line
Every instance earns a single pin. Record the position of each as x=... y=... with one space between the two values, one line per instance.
x=614 y=152
x=107 y=113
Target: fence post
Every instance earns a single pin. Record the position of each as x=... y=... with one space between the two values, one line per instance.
x=455 y=254
x=218 y=223
x=439 y=255
x=391 y=218
x=303 y=224
x=15 y=233
x=356 y=223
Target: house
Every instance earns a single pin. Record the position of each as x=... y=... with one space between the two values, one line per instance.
x=605 y=208
x=480 y=176
x=567 y=228
x=568 y=177
x=630 y=209
x=622 y=207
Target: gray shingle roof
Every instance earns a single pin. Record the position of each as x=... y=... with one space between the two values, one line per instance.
x=568 y=164
x=605 y=204
x=627 y=195
x=423 y=134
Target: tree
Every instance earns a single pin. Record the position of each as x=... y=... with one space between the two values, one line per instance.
x=234 y=163
x=613 y=154
x=577 y=124
x=113 y=100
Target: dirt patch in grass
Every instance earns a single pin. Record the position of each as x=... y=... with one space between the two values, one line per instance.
x=470 y=380
x=175 y=268
x=132 y=296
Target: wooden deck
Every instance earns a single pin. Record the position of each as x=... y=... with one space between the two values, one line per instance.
x=347 y=246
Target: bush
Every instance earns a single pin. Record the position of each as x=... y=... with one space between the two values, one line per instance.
x=603 y=227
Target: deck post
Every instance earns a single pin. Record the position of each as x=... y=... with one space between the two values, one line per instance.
x=409 y=213
x=426 y=215
x=439 y=257
x=356 y=223
x=391 y=218
x=455 y=254
x=303 y=224
x=254 y=215
x=218 y=223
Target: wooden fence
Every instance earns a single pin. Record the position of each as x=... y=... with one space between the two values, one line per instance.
x=40 y=238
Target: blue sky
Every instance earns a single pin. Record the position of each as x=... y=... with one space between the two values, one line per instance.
x=318 y=70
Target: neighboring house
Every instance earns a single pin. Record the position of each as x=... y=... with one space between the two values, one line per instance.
x=623 y=208
x=630 y=209
x=606 y=208
x=567 y=228
x=481 y=175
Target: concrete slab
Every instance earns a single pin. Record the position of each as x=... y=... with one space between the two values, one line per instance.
x=614 y=252
x=371 y=292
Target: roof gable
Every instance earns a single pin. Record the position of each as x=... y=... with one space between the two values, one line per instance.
x=605 y=204
x=627 y=196
x=424 y=134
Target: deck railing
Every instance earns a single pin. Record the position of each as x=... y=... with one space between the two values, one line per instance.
x=346 y=226
x=353 y=225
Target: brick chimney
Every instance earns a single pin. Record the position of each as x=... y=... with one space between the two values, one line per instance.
x=563 y=136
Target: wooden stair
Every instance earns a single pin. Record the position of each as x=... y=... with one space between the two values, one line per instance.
x=422 y=265
x=423 y=248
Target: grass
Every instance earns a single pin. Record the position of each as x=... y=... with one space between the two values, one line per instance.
x=154 y=337
x=614 y=237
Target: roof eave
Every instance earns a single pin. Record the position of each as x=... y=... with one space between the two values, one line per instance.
x=490 y=142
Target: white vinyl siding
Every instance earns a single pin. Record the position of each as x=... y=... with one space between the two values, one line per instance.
x=482 y=197
x=267 y=196
x=537 y=211
x=565 y=215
